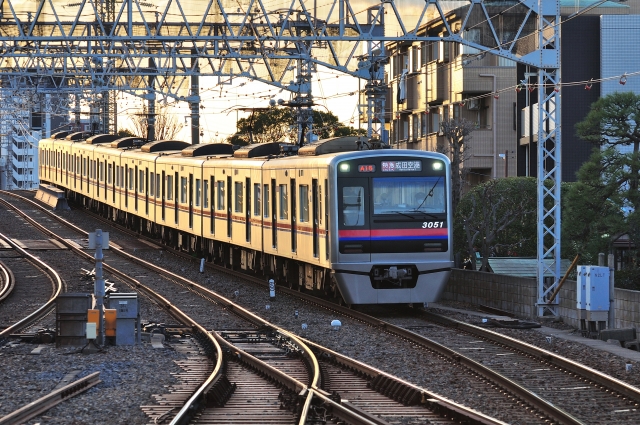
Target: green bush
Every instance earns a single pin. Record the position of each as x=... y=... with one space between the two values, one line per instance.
x=628 y=279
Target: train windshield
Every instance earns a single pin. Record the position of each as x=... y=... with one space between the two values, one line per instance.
x=409 y=194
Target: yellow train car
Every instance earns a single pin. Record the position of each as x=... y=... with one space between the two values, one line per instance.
x=365 y=226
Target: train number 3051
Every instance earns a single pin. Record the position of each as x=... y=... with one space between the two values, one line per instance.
x=433 y=224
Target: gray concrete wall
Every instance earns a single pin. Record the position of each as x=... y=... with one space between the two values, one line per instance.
x=519 y=295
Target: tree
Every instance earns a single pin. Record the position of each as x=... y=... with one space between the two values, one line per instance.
x=612 y=174
x=497 y=218
x=277 y=124
x=166 y=124
x=457 y=134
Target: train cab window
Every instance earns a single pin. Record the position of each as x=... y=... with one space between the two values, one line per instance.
x=198 y=192
x=169 y=188
x=238 y=204
x=393 y=195
x=284 y=201
x=353 y=205
x=265 y=213
x=183 y=190
x=220 y=191
x=205 y=193
x=257 y=207
x=303 y=203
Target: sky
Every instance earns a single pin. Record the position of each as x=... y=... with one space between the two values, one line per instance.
x=332 y=91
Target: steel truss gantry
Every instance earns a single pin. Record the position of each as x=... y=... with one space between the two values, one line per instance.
x=159 y=49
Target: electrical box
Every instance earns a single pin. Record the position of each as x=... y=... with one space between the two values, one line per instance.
x=127 y=318
x=597 y=293
x=125 y=304
x=92 y=333
x=110 y=322
x=581 y=288
x=93 y=316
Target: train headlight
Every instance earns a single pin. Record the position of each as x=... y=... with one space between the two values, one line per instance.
x=344 y=167
x=437 y=165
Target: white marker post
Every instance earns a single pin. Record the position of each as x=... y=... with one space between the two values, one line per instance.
x=98 y=240
x=272 y=289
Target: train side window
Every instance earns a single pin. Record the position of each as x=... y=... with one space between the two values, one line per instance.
x=353 y=206
x=265 y=213
x=303 y=203
x=284 y=201
x=205 y=193
x=101 y=171
x=238 y=198
x=152 y=185
x=141 y=181
x=198 y=192
x=257 y=207
x=220 y=190
x=169 y=188
x=110 y=171
x=131 y=179
x=158 y=188
x=183 y=190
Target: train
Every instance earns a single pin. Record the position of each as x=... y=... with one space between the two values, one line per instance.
x=359 y=225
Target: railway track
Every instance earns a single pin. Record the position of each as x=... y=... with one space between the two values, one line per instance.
x=33 y=287
x=616 y=398
x=215 y=383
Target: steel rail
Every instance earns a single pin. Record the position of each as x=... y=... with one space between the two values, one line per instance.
x=45 y=403
x=199 y=397
x=427 y=398
x=598 y=377
x=46 y=307
x=9 y=281
x=542 y=405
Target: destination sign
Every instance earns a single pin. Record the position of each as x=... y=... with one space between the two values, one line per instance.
x=395 y=166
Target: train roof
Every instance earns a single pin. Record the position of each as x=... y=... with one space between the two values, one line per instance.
x=101 y=138
x=164 y=145
x=208 y=149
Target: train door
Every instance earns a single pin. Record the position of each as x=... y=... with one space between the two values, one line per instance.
x=315 y=214
x=113 y=180
x=212 y=212
x=136 y=188
x=354 y=230
x=176 y=194
x=326 y=217
x=146 y=191
x=274 y=214
x=164 y=188
x=247 y=214
x=229 y=208
x=190 y=194
x=294 y=213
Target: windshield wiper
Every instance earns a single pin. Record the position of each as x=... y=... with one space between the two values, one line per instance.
x=425 y=213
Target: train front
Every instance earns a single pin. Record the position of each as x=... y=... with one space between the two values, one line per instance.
x=393 y=220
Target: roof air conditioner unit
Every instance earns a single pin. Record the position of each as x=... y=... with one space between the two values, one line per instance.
x=473 y=104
